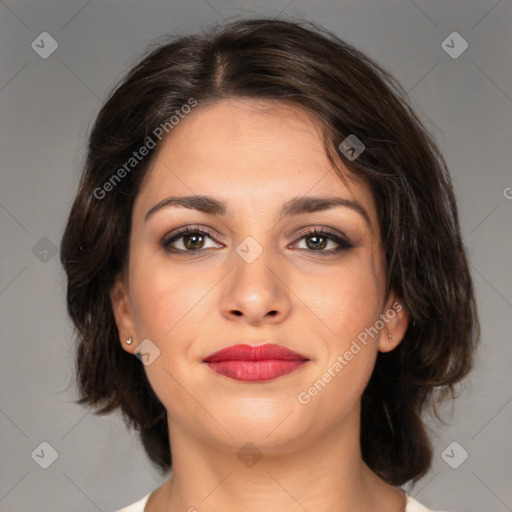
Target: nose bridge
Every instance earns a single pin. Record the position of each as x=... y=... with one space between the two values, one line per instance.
x=257 y=244
x=255 y=262
x=255 y=288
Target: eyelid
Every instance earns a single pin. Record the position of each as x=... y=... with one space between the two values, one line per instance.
x=342 y=240
x=335 y=236
x=318 y=228
x=185 y=230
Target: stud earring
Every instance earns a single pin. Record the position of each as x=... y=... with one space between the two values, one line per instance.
x=390 y=339
x=129 y=341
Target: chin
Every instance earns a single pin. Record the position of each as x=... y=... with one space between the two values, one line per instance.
x=271 y=425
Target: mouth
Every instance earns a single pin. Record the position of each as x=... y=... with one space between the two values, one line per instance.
x=255 y=363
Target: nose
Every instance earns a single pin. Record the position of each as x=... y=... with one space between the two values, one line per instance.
x=256 y=291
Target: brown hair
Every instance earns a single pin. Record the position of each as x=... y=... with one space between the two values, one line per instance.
x=306 y=66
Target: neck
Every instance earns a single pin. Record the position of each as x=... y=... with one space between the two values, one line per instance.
x=327 y=474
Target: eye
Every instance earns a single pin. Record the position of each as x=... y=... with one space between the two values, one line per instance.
x=191 y=240
x=318 y=239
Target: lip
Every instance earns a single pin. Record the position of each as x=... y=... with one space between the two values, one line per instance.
x=255 y=363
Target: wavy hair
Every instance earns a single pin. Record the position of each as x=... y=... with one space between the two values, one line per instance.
x=304 y=65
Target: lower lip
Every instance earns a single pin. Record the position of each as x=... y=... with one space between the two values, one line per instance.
x=255 y=371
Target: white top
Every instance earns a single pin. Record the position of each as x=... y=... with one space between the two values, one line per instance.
x=412 y=506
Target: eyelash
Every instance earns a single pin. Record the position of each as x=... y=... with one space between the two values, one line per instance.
x=343 y=243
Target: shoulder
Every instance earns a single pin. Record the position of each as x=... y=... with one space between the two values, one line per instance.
x=137 y=506
x=414 y=506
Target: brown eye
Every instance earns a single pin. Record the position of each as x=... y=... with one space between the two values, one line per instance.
x=194 y=241
x=187 y=240
x=315 y=242
x=318 y=239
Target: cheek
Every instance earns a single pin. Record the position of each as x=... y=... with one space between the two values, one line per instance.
x=345 y=298
x=346 y=303
x=165 y=305
x=177 y=306
x=164 y=299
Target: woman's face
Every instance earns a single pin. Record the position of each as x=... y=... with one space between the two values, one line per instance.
x=255 y=277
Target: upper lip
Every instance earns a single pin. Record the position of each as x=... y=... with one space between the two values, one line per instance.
x=243 y=352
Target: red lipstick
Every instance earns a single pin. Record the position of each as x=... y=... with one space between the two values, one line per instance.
x=255 y=363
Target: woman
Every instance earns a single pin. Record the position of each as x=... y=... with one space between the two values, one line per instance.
x=266 y=225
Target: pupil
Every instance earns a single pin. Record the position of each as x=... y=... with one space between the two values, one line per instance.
x=188 y=238
x=316 y=245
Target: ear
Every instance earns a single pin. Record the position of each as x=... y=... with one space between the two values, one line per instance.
x=122 y=308
x=396 y=321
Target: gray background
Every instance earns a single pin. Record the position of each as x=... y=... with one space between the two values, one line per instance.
x=47 y=107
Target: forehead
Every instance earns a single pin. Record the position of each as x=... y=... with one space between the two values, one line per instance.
x=248 y=152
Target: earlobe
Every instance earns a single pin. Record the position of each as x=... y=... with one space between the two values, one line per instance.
x=396 y=320
x=123 y=315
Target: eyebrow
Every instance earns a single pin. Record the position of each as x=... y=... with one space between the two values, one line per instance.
x=295 y=206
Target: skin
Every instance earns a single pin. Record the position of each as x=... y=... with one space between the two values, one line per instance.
x=255 y=156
